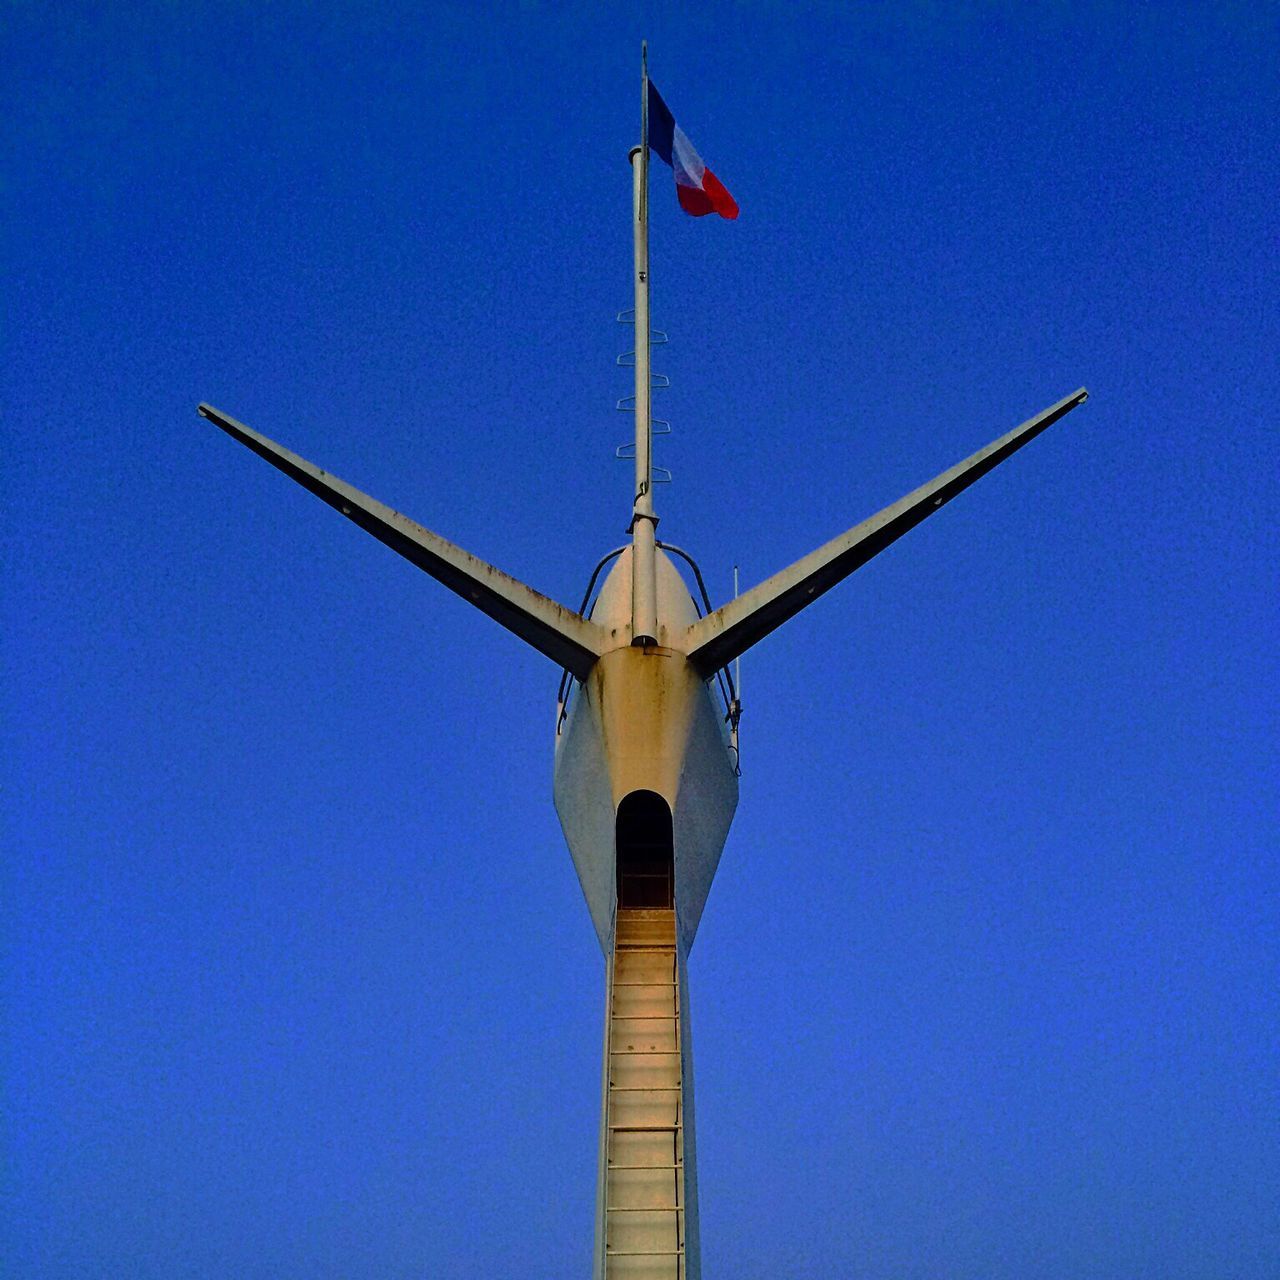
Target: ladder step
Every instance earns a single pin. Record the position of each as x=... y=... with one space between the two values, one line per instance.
x=644 y=1017
x=644 y=1253
x=644 y=1128
x=652 y=1168
x=664 y=983
x=644 y=1088
x=644 y=1053
x=645 y=1208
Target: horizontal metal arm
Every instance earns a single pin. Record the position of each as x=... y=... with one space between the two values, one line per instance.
x=717 y=639
x=566 y=638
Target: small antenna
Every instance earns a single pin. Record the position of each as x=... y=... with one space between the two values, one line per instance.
x=735 y=703
x=737 y=662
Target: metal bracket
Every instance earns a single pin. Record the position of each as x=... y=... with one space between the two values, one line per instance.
x=638 y=516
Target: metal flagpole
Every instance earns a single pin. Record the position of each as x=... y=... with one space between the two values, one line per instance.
x=644 y=524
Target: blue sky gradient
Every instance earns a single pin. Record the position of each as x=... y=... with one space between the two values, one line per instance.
x=298 y=978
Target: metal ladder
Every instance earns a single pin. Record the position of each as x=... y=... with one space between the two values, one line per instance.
x=644 y=1188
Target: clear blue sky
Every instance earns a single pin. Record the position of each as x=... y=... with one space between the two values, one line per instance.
x=298 y=978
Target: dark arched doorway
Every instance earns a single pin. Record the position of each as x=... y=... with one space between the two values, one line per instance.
x=645 y=851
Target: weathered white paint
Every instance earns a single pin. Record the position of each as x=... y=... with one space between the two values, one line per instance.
x=645 y=720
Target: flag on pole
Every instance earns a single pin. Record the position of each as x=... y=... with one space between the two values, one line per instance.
x=699 y=190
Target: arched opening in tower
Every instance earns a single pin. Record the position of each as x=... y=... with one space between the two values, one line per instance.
x=646 y=852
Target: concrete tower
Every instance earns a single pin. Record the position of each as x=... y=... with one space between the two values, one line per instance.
x=645 y=777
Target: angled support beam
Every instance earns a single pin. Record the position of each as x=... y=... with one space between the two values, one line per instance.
x=717 y=639
x=568 y=639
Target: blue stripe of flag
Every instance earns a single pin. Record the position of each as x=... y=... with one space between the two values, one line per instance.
x=662 y=126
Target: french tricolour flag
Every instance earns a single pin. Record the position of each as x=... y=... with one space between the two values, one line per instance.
x=699 y=190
